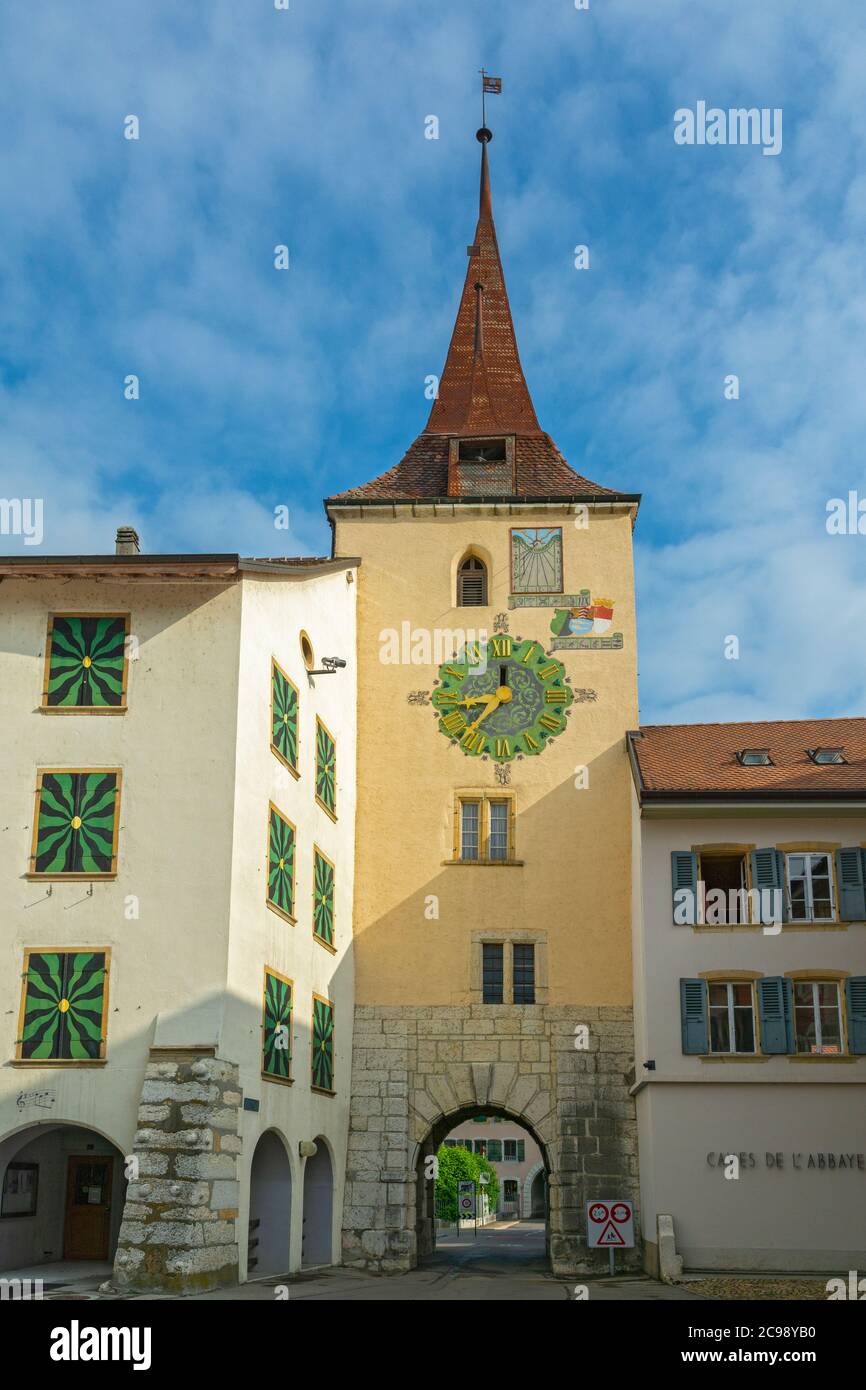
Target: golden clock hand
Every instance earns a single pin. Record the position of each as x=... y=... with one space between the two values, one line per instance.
x=493 y=702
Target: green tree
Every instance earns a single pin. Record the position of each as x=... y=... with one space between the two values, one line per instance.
x=460 y=1165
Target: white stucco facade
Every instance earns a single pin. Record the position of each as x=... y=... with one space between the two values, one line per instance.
x=787 y=1118
x=185 y=918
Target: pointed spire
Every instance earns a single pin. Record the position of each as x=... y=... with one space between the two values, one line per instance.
x=482 y=389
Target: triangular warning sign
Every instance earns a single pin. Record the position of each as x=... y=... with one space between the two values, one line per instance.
x=610 y=1236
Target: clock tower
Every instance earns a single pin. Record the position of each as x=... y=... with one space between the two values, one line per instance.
x=496 y=682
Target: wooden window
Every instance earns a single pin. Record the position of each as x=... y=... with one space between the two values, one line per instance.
x=472 y=583
x=817 y=1017
x=281 y=864
x=75 y=823
x=86 y=663
x=536 y=560
x=484 y=829
x=323 y=898
x=323 y=1045
x=284 y=717
x=524 y=973
x=277 y=1006
x=514 y=1150
x=64 y=1006
x=810 y=888
x=492 y=972
x=732 y=1016
x=326 y=770
x=494 y=1150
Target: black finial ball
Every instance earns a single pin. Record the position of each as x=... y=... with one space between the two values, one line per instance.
x=484 y=135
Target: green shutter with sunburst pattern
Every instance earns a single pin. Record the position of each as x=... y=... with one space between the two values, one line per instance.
x=323 y=1044
x=86 y=662
x=64 y=1006
x=326 y=770
x=76 y=823
x=281 y=864
x=284 y=717
x=277 y=1027
x=323 y=898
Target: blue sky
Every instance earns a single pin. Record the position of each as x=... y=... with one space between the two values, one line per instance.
x=261 y=388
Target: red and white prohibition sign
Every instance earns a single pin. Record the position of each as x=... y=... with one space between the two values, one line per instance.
x=610 y=1224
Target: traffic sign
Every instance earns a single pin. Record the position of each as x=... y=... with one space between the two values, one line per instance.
x=610 y=1225
x=466 y=1200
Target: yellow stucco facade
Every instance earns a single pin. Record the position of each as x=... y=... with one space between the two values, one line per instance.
x=571 y=842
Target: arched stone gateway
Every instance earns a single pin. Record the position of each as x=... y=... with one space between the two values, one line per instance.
x=425 y=1226
x=407 y=1095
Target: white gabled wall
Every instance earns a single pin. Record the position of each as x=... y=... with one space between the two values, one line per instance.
x=275 y=611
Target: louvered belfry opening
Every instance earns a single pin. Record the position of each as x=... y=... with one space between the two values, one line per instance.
x=472 y=584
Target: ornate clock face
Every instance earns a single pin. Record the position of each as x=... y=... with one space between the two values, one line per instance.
x=509 y=708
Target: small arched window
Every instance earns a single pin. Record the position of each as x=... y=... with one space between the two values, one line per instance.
x=472 y=584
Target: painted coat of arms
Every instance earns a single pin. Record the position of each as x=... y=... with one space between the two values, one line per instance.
x=586 y=624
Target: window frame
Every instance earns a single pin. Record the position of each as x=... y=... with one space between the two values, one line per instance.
x=328 y=945
x=19 y=1060
x=275 y=907
x=806 y=854
x=320 y=724
x=75 y=876
x=814 y=983
x=287 y=1080
x=296 y=769
x=482 y=567
x=26 y=1167
x=732 y=1051
x=484 y=799
x=123 y=707
x=322 y=999
x=524 y=945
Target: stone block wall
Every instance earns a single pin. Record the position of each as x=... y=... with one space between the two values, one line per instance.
x=179 y=1222
x=417 y=1071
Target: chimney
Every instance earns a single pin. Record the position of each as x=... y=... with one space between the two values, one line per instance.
x=126 y=541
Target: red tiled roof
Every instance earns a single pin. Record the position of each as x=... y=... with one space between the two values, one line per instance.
x=482 y=394
x=694 y=760
x=539 y=471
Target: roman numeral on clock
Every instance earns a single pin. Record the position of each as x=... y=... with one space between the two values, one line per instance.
x=501 y=646
x=473 y=653
x=549 y=721
x=454 y=722
x=449 y=697
x=530 y=742
x=473 y=741
x=555 y=697
x=529 y=653
x=502 y=749
x=453 y=671
x=549 y=670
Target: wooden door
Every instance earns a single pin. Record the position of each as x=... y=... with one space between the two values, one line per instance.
x=88 y=1208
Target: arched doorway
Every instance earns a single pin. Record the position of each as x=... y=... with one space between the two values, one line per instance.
x=471 y=1127
x=538 y=1195
x=63 y=1188
x=270 y=1208
x=317 y=1246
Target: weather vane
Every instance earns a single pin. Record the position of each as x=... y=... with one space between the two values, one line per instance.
x=494 y=86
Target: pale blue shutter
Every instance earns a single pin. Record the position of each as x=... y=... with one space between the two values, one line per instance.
x=852 y=884
x=855 y=998
x=684 y=887
x=768 y=877
x=694 y=1017
x=776 y=1012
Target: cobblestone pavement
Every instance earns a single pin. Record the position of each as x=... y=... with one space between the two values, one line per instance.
x=758 y=1286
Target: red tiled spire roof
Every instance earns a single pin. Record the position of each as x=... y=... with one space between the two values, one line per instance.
x=482 y=390
x=482 y=394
